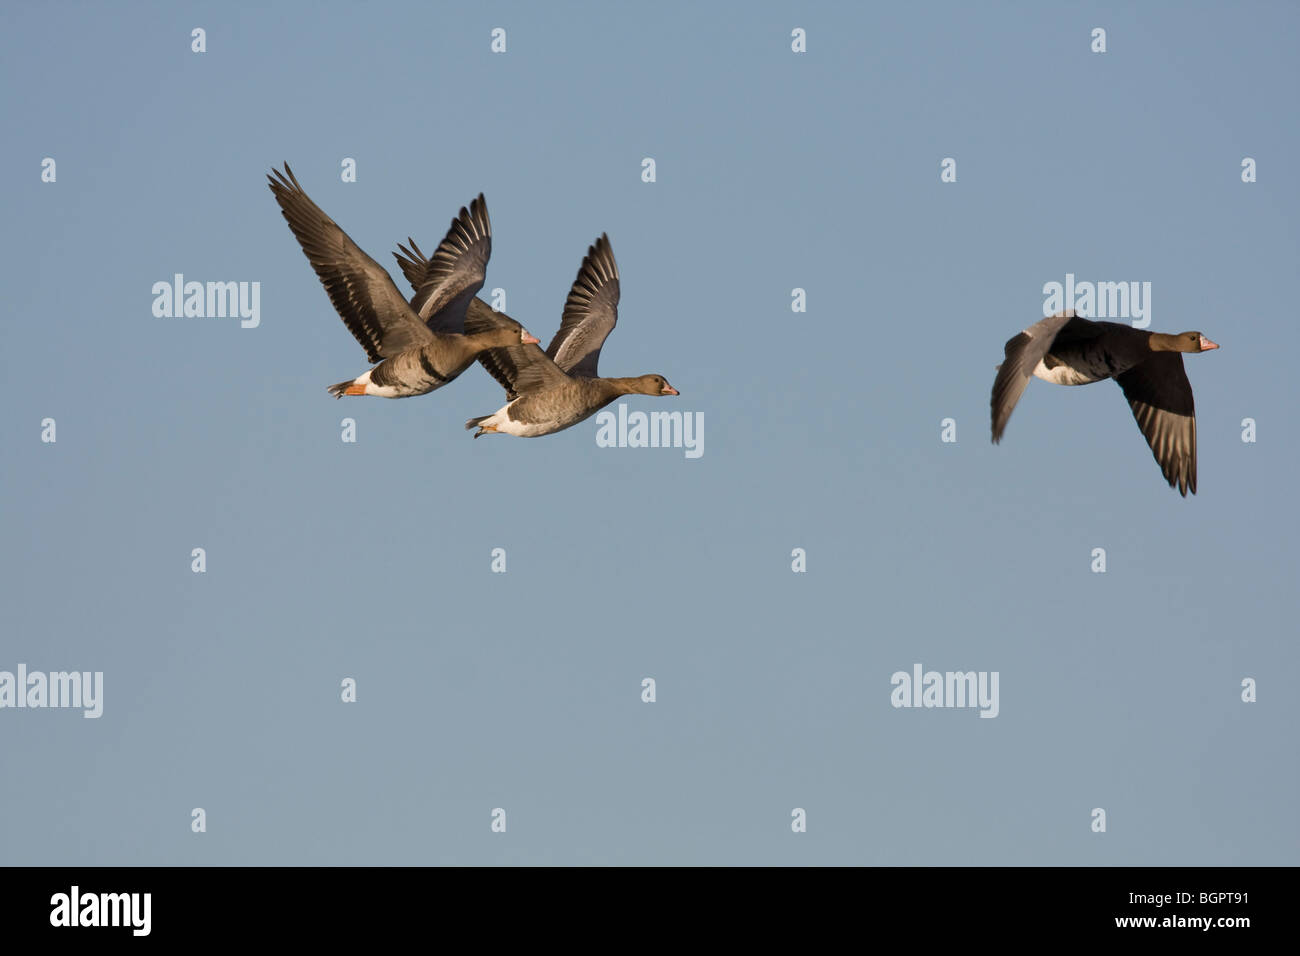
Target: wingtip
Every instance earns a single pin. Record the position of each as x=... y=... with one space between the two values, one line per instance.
x=478 y=212
x=282 y=180
x=601 y=251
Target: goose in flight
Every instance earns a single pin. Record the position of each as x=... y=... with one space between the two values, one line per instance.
x=1065 y=349
x=550 y=391
x=421 y=345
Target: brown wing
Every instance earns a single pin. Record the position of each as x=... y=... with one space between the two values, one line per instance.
x=445 y=282
x=590 y=312
x=1161 y=398
x=502 y=364
x=519 y=368
x=361 y=289
x=522 y=369
x=1023 y=353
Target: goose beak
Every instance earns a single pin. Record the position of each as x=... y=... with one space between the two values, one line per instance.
x=669 y=390
x=1206 y=344
x=528 y=339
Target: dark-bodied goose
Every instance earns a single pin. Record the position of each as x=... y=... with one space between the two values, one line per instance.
x=549 y=391
x=1067 y=350
x=421 y=345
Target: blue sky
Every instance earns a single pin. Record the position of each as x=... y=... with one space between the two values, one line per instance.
x=775 y=171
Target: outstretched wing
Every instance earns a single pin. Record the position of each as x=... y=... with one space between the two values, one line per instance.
x=1161 y=398
x=590 y=312
x=1023 y=353
x=362 y=291
x=445 y=282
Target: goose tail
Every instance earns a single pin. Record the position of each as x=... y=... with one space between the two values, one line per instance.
x=350 y=387
x=484 y=423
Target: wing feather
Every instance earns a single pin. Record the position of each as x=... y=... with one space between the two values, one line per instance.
x=590 y=312
x=1160 y=396
x=361 y=290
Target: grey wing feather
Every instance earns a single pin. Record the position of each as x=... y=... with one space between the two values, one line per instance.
x=590 y=312
x=522 y=369
x=1161 y=398
x=413 y=262
x=361 y=290
x=519 y=368
x=445 y=282
x=502 y=368
x=1023 y=353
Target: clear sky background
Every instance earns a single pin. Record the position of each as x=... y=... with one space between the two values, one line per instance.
x=521 y=690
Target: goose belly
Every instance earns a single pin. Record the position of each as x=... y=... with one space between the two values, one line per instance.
x=1062 y=374
x=527 y=429
x=545 y=414
x=410 y=373
x=382 y=386
x=501 y=421
x=1080 y=366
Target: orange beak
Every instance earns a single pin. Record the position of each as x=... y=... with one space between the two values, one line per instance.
x=669 y=390
x=529 y=339
x=1206 y=344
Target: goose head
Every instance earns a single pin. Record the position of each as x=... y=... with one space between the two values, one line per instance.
x=1183 y=342
x=508 y=332
x=650 y=385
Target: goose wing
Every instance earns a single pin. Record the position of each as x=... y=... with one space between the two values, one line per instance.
x=1023 y=353
x=362 y=291
x=445 y=282
x=1161 y=398
x=590 y=312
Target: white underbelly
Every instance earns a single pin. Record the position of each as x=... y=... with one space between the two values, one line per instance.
x=504 y=423
x=1063 y=374
x=403 y=390
x=525 y=429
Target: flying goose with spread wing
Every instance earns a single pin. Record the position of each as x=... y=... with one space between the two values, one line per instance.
x=1065 y=349
x=549 y=391
x=419 y=345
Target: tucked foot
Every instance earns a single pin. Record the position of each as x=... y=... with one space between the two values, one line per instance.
x=350 y=387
